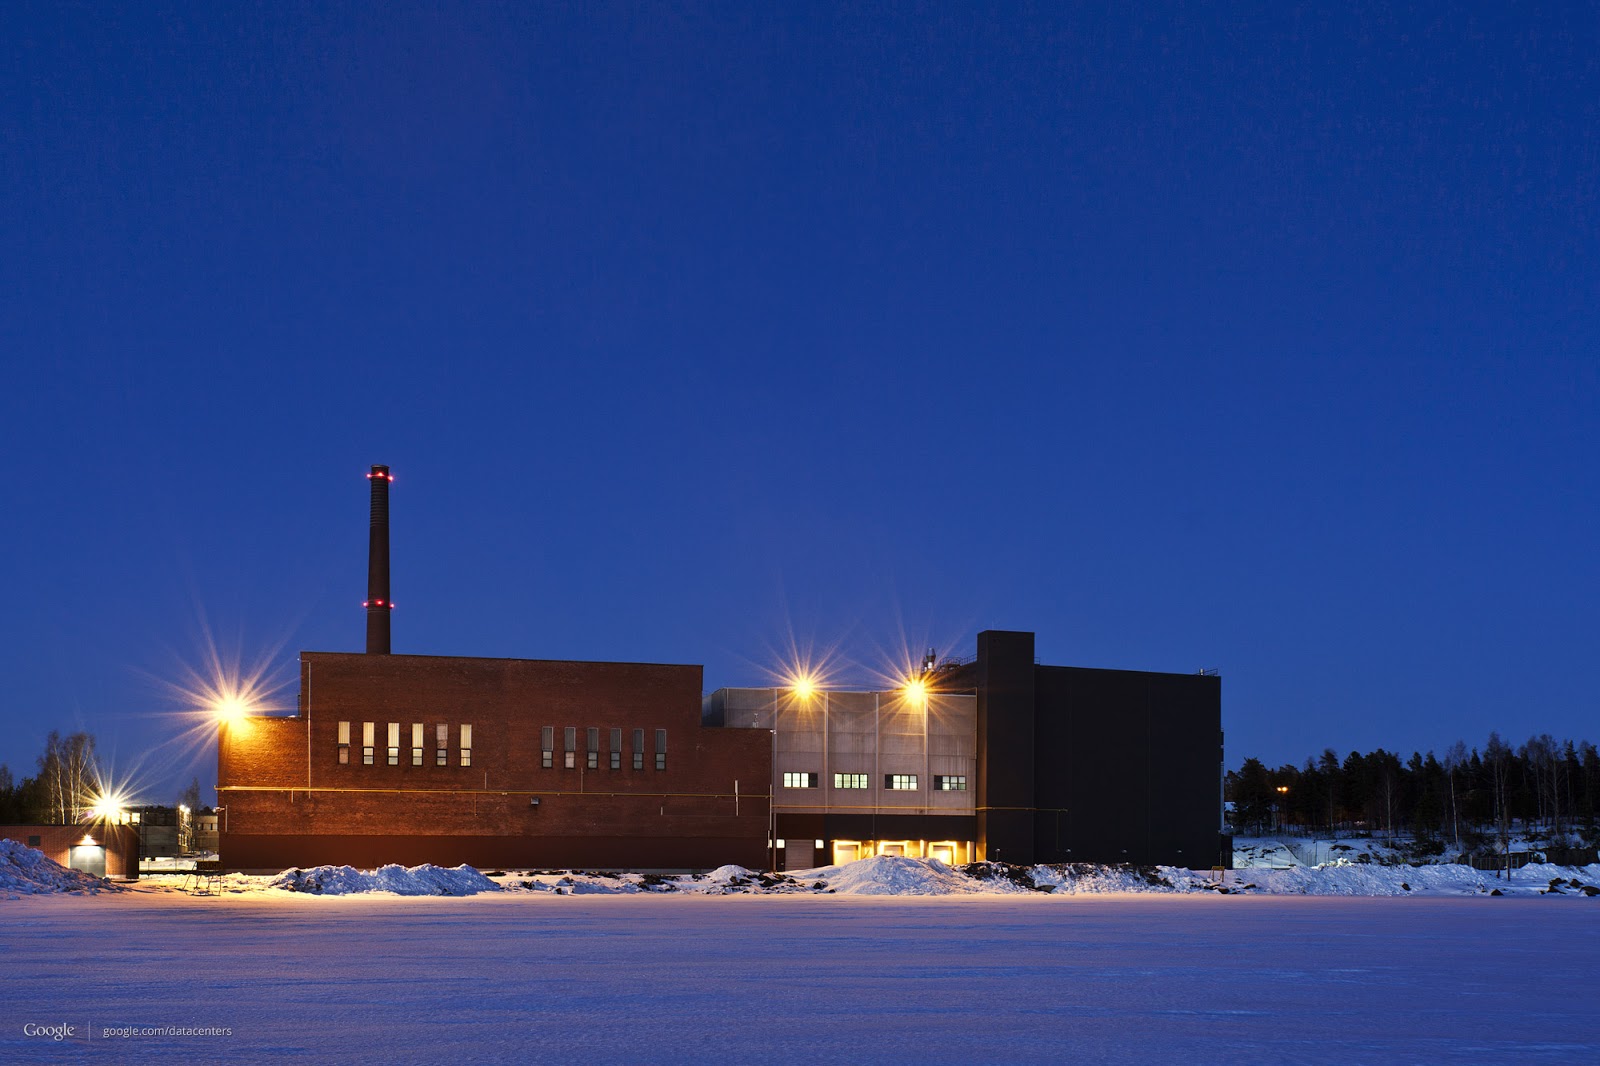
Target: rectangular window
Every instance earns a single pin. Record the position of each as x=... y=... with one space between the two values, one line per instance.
x=416 y=743
x=942 y=783
x=661 y=749
x=849 y=780
x=591 y=748
x=368 y=733
x=616 y=749
x=799 y=780
x=638 y=749
x=344 y=743
x=570 y=736
x=547 y=746
x=394 y=743
x=900 y=782
x=466 y=745
x=441 y=746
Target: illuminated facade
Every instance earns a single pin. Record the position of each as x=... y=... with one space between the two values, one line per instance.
x=995 y=758
x=862 y=773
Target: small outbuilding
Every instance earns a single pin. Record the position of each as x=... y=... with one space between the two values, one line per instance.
x=101 y=848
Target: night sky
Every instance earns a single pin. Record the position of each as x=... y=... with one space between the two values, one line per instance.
x=1262 y=341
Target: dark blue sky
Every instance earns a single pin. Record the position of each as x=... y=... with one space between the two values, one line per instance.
x=1260 y=340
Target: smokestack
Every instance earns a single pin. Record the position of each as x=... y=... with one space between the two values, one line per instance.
x=378 y=604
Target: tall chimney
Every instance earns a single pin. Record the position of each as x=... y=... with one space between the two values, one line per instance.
x=378 y=604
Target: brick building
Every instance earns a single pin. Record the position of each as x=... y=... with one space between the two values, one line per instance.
x=102 y=848
x=545 y=764
x=491 y=762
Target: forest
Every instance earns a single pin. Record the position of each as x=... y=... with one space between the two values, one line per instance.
x=1467 y=801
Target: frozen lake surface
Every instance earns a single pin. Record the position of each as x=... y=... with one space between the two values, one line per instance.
x=537 y=977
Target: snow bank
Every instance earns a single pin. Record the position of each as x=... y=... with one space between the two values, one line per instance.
x=1369 y=879
x=895 y=875
x=424 y=880
x=25 y=871
x=1087 y=879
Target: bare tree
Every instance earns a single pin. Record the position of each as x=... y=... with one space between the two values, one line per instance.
x=1497 y=756
x=67 y=775
x=1454 y=760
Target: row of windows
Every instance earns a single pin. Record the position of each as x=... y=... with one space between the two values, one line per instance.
x=591 y=751
x=893 y=782
x=441 y=749
x=392 y=750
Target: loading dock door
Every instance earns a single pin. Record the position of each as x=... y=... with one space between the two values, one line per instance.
x=90 y=858
x=799 y=854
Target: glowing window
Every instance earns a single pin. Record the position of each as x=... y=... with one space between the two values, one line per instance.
x=441 y=746
x=368 y=733
x=570 y=760
x=945 y=783
x=849 y=780
x=900 y=782
x=466 y=745
x=416 y=743
x=394 y=743
x=799 y=780
x=591 y=748
x=344 y=742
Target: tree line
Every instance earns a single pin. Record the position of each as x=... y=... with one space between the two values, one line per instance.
x=1469 y=799
x=66 y=781
x=65 y=784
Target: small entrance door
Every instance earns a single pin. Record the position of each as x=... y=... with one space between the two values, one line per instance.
x=90 y=858
x=799 y=854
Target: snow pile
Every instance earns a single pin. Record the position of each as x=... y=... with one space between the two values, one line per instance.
x=424 y=880
x=25 y=871
x=1369 y=879
x=1088 y=879
x=895 y=875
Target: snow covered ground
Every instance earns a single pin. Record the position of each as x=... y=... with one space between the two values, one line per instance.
x=663 y=977
x=884 y=960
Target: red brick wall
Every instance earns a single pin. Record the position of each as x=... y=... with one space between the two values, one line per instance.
x=639 y=818
x=120 y=841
